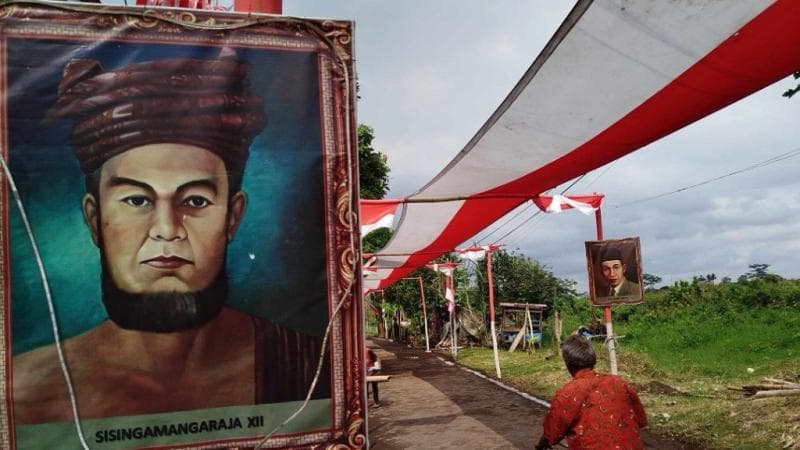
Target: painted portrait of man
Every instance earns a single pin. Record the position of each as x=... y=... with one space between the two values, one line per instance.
x=615 y=271
x=163 y=147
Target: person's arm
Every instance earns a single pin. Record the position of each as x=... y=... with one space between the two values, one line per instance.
x=542 y=444
x=375 y=365
x=564 y=410
x=638 y=408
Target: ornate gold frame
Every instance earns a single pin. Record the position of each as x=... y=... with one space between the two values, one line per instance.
x=332 y=41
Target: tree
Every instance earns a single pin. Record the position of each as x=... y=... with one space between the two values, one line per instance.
x=517 y=278
x=757 y=272
x=405 y=294
x=373 y=171
x=375 y=240
x=650 y=280
x=707 y=278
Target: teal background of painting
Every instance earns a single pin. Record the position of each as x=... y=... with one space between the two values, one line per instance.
x=276 y=263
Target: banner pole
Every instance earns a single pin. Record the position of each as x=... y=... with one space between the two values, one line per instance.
x=491 y=311
x=259 y=6
x=612 y=351
x=424 y=315
x=453 y=317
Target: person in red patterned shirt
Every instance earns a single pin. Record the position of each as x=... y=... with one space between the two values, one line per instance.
x=595 y=410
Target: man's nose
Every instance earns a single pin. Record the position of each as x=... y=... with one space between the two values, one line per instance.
x=167 y=223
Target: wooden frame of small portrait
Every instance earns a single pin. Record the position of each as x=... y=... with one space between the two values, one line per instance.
x=614 y=269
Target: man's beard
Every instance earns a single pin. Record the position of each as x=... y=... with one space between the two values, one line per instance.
x=163 y=312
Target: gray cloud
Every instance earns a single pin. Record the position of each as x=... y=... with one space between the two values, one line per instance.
x=431 y=73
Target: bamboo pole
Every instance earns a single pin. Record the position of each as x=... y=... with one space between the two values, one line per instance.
x=557 y=331
x=777 y=393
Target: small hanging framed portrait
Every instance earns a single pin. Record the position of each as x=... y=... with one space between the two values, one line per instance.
x=615 y=271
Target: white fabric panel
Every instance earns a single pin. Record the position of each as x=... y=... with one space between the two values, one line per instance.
x=619 y=54
x=428 y=220
x=420 y=225
x=384 y=222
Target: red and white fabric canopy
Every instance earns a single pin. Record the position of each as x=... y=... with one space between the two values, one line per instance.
x=616 y=76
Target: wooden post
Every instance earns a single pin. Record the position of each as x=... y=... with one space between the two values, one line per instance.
x=453 y=317
x=424 y=315
x=518 y=337
x=557 y=331
x=491 y=312
x=531 y=345
x=383 y=316
x=612 y=351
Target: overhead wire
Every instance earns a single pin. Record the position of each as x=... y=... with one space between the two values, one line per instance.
x=766 y=162
x=772 y=160
x=537 y=212
x=605 y=170
x=529 y=204
x=519 y=211
x=516 y=239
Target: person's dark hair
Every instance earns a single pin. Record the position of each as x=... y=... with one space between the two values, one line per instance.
x=578 y=354
x=611 y=254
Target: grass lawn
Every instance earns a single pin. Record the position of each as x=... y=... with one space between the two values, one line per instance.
x=683 y=369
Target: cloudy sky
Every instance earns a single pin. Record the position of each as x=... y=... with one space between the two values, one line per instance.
x=431 y=72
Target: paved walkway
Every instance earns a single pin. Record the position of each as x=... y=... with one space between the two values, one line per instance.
x=430 y=404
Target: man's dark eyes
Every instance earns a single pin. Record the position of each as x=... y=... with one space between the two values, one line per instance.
x=196 y=201
x=137 y=201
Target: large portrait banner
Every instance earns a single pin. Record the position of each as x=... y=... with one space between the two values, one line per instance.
x=615 y=271
x=178 y=254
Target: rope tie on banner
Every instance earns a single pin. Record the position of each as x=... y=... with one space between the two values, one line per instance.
x=51 y=309
x=356 y=260
x=320 y=362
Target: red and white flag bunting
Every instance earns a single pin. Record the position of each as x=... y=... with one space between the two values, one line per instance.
x=447 y=270
x=377 y=214
x=451 y=299
x=474 y=254
x=586 y=204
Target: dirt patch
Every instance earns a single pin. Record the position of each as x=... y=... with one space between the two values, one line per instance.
x=657 y=388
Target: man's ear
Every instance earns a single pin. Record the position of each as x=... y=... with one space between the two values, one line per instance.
x=91 y=214
x=237 y=205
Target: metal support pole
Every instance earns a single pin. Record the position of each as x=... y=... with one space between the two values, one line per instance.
x=610 y=342
x=383 y=316
x=612 y=351
x=453 y=317
x=491 y=312
x=424 y=314
x=598 y=220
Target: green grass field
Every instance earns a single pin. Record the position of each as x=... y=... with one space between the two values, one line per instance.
x=684 y=349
